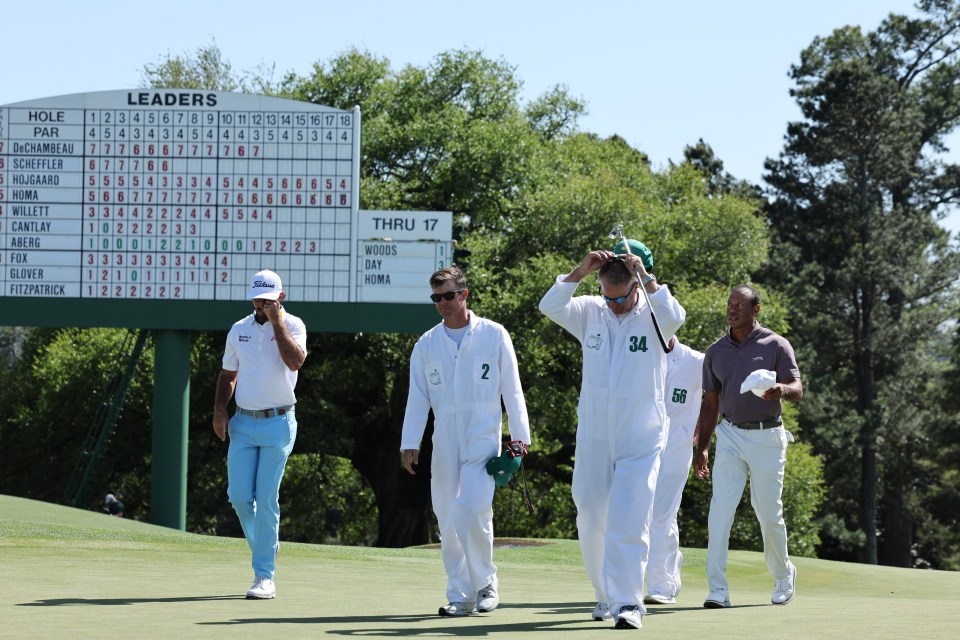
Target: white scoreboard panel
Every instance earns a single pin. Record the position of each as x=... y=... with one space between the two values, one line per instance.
x=398 y=251
x=182 y=195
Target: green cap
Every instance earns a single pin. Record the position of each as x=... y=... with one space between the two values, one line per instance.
x=503 y=467
x=637 y=248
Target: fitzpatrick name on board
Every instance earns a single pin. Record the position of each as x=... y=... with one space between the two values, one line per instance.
x=40 y=290
x=171 y=99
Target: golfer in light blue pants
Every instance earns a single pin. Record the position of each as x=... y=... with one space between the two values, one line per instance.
x=258 y=453
x=261 y=361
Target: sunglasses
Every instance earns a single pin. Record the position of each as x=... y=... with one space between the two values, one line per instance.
x=446 y=295
x=620 y=299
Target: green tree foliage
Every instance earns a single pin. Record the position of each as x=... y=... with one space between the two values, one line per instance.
x=52 y=394
x=206 y=69
x=326 y=500
x=531 y=195
x=704 y=241
x=858 y=190
x=450 y=136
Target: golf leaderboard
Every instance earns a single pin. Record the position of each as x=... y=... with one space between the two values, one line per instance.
x=180 y=195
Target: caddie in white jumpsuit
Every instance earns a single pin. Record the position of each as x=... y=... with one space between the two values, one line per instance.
x=622 y=419
x=684 y=390
x=461 y=369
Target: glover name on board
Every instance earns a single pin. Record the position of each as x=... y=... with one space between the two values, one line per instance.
x=21 y=273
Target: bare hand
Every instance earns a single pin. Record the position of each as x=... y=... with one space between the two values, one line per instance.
x=271 y=309
x=220 y=420
x=773 y=393
x=700 y=459
x=409 y=457
x=593 y=261
x=634 y=264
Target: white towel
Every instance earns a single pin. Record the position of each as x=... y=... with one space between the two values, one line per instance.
x=759 y=381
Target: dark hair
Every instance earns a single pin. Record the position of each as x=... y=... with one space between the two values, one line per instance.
x=449 y=273
x=615 y=271
x=748 y=291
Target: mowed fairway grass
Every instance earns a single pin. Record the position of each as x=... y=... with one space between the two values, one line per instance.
x=68 y=573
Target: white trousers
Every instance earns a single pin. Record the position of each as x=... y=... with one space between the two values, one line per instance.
x=666 y=560
x=762 y=454
x=463 y=501
x=613 y=492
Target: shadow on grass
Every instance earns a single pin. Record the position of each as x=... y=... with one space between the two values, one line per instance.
x=575 y=618
x=59 y=602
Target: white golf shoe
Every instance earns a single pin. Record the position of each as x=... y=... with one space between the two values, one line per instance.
x=718 y=599
x=785 y=588
x=629 y=617
x=656 y=597
x=601 y=612
x=459 y=609
x=487 y=598
x=262 y=589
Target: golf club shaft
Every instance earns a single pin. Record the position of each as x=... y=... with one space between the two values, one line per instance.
x=646 y=296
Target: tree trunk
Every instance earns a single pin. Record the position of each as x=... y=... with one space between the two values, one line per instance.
x=866 y=384
x=404 y=510
x=898 y=524
x=868 y=488
x=868 y=440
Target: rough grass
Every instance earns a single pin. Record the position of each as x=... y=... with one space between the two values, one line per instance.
x=74 y=574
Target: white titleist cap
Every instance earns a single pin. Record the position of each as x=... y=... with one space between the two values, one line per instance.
x=265 y=284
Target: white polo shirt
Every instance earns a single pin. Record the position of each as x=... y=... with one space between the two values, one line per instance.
x=263 y=380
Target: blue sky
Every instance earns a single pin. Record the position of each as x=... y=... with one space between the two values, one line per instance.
x=659 y=74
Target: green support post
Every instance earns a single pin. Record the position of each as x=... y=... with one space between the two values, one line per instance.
x=171 y=413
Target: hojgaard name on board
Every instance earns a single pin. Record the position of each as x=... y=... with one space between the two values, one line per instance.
x=171 y=99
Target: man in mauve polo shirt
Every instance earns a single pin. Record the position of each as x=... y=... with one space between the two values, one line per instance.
x=750 y=439
x=264 y=352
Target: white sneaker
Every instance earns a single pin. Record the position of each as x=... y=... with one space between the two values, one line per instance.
x=458 y=609
x=262 y=589
x=629 y=617
x=487 y=598
x=601 y=612
x=659 y=598
x=785 y=588
x=718 y=599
